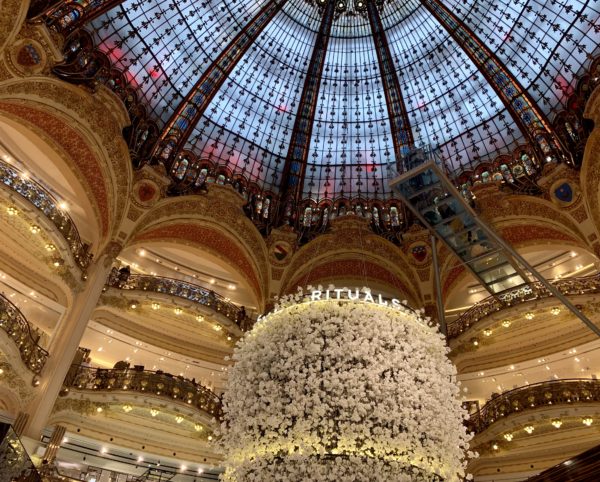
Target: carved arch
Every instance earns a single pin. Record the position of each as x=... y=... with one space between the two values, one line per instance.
x=85 y=130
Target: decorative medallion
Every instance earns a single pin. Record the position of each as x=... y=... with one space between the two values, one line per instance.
x=280 y=251
x=419 y=253
x=564 y=192
x=28 y=57
x=146 y=192
x=149 y=187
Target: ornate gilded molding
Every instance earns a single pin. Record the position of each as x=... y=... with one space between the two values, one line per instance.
x=36 y=269
x=590 y=168
x=12 y=16
x=220 y=212
x=55 y=107
x=17 y=380
x=350 y=234
x=42 y=200
x=502 y=210
x=181 y=334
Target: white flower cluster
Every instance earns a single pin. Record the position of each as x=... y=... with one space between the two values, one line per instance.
x=346 y=392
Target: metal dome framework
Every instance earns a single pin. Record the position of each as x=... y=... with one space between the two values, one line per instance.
x=307 y=101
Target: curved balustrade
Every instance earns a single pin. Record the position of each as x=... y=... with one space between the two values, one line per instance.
x=181 y=289
x=146 y=381
x=532 y=291
x=37 y=195
x=17 y=327
x=556 y=392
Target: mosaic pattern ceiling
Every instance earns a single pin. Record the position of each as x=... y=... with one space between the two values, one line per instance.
x=165 y=46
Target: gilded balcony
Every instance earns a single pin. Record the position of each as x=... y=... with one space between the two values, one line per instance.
x=152 y=383
x=577 y=391
x=16 y=326
x=520 y=295
x=183 y=290
x=33 y=193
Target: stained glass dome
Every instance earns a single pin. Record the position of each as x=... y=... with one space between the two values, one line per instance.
x=427 y=57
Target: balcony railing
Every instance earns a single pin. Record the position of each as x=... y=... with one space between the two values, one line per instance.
x=15 y=464
x=511 y=297
x=555 y=392
x=18 y=328
x=149 y=382
x=184 y=290
x=45 y=202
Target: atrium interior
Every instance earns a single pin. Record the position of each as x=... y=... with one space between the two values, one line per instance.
x=168 y=170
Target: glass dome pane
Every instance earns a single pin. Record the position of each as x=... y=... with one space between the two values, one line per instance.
x=164 y=47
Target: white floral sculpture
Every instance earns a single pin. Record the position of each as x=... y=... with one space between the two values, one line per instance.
x=342 y=391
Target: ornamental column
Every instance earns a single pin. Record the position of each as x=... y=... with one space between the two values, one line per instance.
x=181 y=124
x=294 y=169
x=402 y=135
x=65 y=341
x=527 y=115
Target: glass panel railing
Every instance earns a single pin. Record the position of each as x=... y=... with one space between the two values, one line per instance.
x=441 y=208
x=15 y=464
